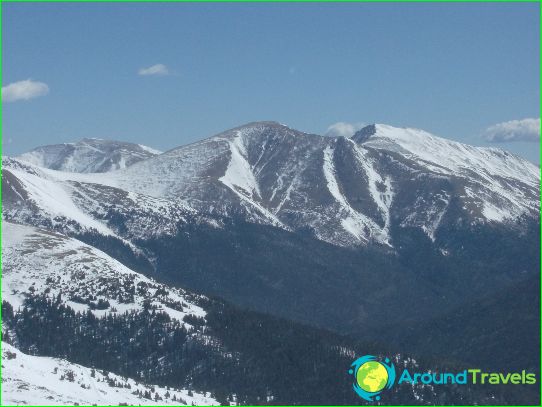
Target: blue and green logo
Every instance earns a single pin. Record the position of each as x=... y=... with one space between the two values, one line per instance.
x=372 y=376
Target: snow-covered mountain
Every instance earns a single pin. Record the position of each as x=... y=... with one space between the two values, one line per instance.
x=89 y=155
x=253 y=215
x=38 y=380
x=346 y=191
x=37 y=261
x=385 y=188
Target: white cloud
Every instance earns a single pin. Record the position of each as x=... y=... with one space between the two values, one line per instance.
x=23 y=90
x=343 y=129
x=514 y=130
x=158 y=70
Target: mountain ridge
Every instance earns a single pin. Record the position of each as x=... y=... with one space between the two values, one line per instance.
x=88 y=155
x=348 y=191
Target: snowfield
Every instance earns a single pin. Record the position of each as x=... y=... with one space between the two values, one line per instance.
x=38 y=380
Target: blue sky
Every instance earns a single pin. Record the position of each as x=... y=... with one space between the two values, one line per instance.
x=452 y=69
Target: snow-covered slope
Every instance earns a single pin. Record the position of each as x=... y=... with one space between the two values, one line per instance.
x=501 y=184
x=346 y=191
x=447 y=156
x=89 y=155
x=38 y=380
x=78 y=203
x=36 y=261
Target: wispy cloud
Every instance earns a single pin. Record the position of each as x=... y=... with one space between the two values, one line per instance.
x=514 y=130
x=23 y=90
x=158 y=70
x=343 y=129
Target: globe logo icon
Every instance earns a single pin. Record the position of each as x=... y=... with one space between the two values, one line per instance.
x=372 y=376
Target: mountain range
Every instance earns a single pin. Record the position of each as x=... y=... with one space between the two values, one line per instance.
x=345 y=191
x=386 y=236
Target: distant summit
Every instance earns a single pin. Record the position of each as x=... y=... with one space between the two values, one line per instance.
x=88 y=155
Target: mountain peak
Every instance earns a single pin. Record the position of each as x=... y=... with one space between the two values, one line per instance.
x=385 y=130
x=92 y=139
x=256 y=131
x=88 y=155
x=264 y=124
x=363 y=135
x=267 y=123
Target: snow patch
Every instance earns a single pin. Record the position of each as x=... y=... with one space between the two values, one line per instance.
x=239 y=175
x=150 y=149
x=355 y=223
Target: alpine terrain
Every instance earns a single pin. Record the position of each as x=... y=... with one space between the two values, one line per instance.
x=254 y=266
x=89 y=155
